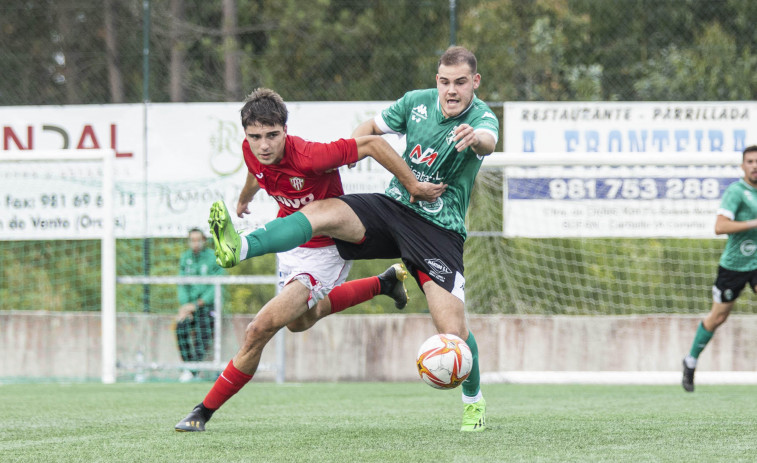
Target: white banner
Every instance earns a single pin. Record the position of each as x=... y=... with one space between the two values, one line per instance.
x=634 y=202
x=193 y=158
x=630 y=127
x=651 y=202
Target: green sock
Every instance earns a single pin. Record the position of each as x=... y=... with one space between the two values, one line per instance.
x=472 y=384
x=700 y=340
x=279 y=235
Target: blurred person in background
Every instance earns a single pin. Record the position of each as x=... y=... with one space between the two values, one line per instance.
x=194 y=323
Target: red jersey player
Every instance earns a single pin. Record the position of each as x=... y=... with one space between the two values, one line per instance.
x=312 y=277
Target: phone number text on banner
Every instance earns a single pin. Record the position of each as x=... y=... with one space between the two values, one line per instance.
x=578 y=203
x=567 y=188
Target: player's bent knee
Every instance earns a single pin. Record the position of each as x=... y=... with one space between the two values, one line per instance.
x=259 y=331
x=303 y=323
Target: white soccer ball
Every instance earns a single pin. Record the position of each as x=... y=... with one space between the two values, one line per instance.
x=444 y=361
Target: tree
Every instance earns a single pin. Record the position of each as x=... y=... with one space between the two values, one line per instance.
x=530 y=50
x=714 y=69
x=115 y=79
x=177 y=66
x=230 y=51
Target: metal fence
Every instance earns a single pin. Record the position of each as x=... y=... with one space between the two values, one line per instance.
x=84 y=52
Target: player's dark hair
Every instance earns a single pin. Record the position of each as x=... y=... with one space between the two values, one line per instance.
x=458 y=55
x=265 y=107
x=749 y=149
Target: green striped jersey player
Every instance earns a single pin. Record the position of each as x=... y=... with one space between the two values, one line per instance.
x=737 y=218
x=432 y=154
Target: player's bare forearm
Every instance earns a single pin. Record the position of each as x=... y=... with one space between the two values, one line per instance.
x=726 y=226
x=368 y=127
x=377 y=148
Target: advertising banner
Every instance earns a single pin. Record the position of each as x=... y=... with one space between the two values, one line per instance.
x=605 y=201
x=164 y=186
x=632 y=202
x=628 y=127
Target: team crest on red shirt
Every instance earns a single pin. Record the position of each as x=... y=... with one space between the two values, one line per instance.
x=297 y=183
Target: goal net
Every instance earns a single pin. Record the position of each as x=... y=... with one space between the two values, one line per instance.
x=596 y=234
x=89 y=291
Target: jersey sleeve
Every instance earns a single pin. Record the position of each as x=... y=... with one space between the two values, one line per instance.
x=487 y=122
x=729 y=205
x=394 y=118
x=328 y=156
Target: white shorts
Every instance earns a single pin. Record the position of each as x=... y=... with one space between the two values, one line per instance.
x=319 y=269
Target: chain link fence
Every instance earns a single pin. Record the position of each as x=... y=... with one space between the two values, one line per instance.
x=84 y=52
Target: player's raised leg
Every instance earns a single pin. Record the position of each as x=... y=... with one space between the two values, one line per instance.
x=390 y=283
x=281 y=234
x=288 y=305
x=352 y=293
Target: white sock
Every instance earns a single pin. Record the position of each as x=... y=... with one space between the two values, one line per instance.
x=690 y=361
x=243 y=248
x=472 y=400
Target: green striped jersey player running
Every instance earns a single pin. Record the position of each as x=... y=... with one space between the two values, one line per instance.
x=737 y=218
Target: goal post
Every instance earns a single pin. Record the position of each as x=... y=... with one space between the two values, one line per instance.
x=17 y=184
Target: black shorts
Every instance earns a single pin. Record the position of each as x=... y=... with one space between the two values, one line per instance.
x=729 y=283
x=393 y=231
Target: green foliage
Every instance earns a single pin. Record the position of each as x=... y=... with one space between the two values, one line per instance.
x=330 y=50
x=65 y=275
x=714 y=70
x=591 y=276
x=50 y=275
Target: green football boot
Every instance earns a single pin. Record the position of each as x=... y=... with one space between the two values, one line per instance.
x=226 y=240
x=474 y=417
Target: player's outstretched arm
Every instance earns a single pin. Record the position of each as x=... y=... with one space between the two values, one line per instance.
x=251 y=186
x=378 y=148
x=726 y=226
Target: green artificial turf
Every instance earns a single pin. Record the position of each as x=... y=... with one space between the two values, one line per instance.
x=377 y=422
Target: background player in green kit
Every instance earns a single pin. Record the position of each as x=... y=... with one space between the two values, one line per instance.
x=737 y=217
x=448 y=132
